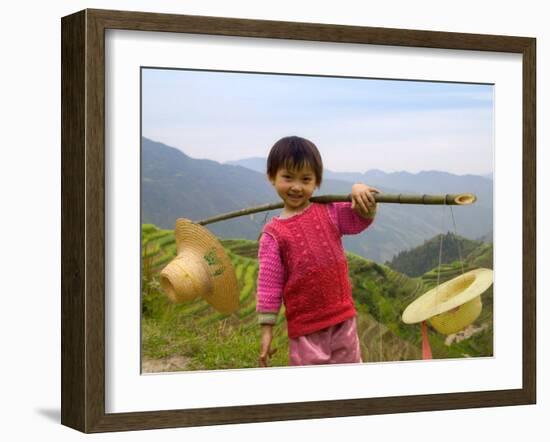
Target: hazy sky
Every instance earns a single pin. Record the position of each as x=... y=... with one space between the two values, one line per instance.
x=357 y=124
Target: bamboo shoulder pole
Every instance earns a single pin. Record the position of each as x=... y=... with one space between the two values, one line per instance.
x=460 y=199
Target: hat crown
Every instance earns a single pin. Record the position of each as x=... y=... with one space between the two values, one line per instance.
x=201 y=268
x=452 y=302
x=186 y=277
x=458 y=318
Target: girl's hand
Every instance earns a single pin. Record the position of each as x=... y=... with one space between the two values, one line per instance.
x=362 y=199
x=265 y=346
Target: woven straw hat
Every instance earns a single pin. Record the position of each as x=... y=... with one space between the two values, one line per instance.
x=200 y=269
x=453 y=305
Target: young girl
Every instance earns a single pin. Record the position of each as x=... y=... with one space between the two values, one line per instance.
x=302 y=260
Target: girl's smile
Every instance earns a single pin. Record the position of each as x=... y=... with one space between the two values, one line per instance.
x=295 y=187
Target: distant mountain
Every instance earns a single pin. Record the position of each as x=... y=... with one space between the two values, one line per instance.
x=487 y=238
x=257 y=164
x=175 y=185
x=419 y=260
x=423 y=182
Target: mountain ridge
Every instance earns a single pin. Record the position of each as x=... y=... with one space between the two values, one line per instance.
x=175 y=185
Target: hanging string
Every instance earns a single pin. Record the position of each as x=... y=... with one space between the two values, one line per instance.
x=440 y=250
x=426 y=349
x=457 y=241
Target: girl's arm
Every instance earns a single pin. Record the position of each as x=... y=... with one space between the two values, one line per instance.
x=265 y=346
x=347 y=221
x=269 y=291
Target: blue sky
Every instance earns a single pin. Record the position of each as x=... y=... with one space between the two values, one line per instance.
x=357 y=124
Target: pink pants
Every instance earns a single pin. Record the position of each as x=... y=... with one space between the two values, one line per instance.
x=338 y=344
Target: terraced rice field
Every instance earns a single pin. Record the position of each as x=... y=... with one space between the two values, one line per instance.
x=194 y=336
x=200 y=335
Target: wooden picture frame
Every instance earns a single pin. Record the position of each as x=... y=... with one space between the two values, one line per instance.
x=83 y=220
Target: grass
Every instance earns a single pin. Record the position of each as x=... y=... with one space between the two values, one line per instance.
x=207 y=339
x=212 y=341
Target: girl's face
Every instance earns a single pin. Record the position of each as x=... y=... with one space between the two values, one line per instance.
x=295 y=187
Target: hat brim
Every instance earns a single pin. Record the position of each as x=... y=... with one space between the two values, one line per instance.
x=224 y=295
x=449 y=295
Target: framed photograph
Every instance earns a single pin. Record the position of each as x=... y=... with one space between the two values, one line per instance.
x=168 y=119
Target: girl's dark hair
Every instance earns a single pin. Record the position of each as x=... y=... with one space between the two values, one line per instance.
x=294 y=153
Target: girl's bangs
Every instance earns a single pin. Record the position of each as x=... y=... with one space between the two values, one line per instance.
x=295 y=164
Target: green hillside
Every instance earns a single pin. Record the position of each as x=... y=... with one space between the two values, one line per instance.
x=480 y=343
x=175 y=185
x=193 y=336
x=419 y=260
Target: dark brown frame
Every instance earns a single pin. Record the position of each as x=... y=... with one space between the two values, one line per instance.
x=83 y=219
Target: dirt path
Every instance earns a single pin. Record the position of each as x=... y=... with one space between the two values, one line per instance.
x=170 y=363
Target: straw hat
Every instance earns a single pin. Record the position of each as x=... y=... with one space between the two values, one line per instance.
x=453 y=305
x=200 y=269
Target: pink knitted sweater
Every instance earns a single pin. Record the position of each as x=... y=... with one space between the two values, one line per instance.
x=271 y=277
